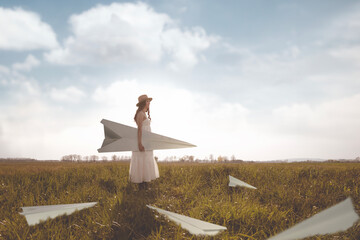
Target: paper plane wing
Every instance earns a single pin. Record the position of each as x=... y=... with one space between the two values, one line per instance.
x=194 y=226
x=335 y=219
x=233 y=182
x=119 y=137
x=35 y=214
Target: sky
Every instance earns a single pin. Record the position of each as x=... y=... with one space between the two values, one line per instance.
x=257 y=80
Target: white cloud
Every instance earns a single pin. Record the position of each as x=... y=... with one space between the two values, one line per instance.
x=17 y=85
x=4 y=70
x=24 y=30
x=343 y=38
x=185 y=46
x=30 y=63
x=129 y=33
x=215 y=126
x=347 y=25
x=326 y=130
x=70 y=94
x=4 y=73
x=34 y=127
x=333 y=118
x=350 y=53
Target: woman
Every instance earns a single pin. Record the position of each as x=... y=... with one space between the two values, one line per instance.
x=143 y=167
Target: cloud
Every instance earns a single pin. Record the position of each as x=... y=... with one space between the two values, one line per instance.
x=327 y=130
x=184 y=46
x=197 y=117
x=129 y=33
x=4 y=70
x=343 y=38
x=37 y=129
x=23 y=30
x=346 y=26
x=333 y=118
x=30 y=63
x=70 y=94
x=4 y=73
x=350 y=53
x=33 y=126
x=16 y=85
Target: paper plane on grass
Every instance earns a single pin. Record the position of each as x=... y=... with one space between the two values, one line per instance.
x=119 y=137
x=35 y=214
x=233 y=182
x=194 y=226
x=335 y=219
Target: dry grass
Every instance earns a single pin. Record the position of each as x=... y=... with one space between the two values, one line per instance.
x=287 y=193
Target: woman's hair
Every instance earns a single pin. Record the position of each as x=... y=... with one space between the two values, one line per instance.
x=141 y=107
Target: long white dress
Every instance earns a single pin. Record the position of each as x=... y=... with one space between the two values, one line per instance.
x=143 y=167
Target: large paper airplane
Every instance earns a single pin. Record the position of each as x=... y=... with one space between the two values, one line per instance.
x=233 y=182
x=194 y=226
x=335 y=219
x=35 y=214
x=119 y=137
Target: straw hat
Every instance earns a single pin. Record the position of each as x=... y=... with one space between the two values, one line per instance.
x=143 y=98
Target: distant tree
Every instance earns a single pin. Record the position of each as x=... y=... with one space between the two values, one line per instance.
x=104 y=158
x=94 y=158
x=114 y=157
x=233 y=158
x=187 y=158
x=71 y=158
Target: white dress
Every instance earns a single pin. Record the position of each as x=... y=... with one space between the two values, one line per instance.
x=143 y=167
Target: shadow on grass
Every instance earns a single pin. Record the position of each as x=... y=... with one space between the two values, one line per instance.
x=131 y=218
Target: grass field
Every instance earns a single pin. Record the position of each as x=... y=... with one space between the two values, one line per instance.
x=287 y=194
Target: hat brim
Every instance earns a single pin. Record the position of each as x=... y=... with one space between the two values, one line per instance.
x=144 y=101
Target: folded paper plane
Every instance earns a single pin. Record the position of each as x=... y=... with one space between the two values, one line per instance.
x=35 y=214
x=194 y=226
x=335 y=219
x=236 y=182
x=119 y=137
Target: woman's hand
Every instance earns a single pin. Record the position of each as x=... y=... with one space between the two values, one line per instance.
x=141 y=147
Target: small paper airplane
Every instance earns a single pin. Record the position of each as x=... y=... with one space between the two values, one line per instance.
x=35 y=214
x=194 y=226
x=236 y=182
x=337 y=218
x=119 y=137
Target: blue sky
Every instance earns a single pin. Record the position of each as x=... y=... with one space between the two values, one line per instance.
x=260 y=80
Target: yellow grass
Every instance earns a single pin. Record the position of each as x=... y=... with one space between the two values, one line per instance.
x=287 y=194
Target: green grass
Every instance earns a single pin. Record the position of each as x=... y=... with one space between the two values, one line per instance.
x=287 y=194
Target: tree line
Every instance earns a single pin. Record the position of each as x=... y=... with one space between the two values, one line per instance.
x=92 y=158
x=186 y=158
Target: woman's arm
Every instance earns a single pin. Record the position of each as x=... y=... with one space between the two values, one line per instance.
x=139 y=119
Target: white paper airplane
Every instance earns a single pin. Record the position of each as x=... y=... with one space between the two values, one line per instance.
x=335 y=219
x=119 y=137
x=35 y=214
x=194 y=226
x=236 y=182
